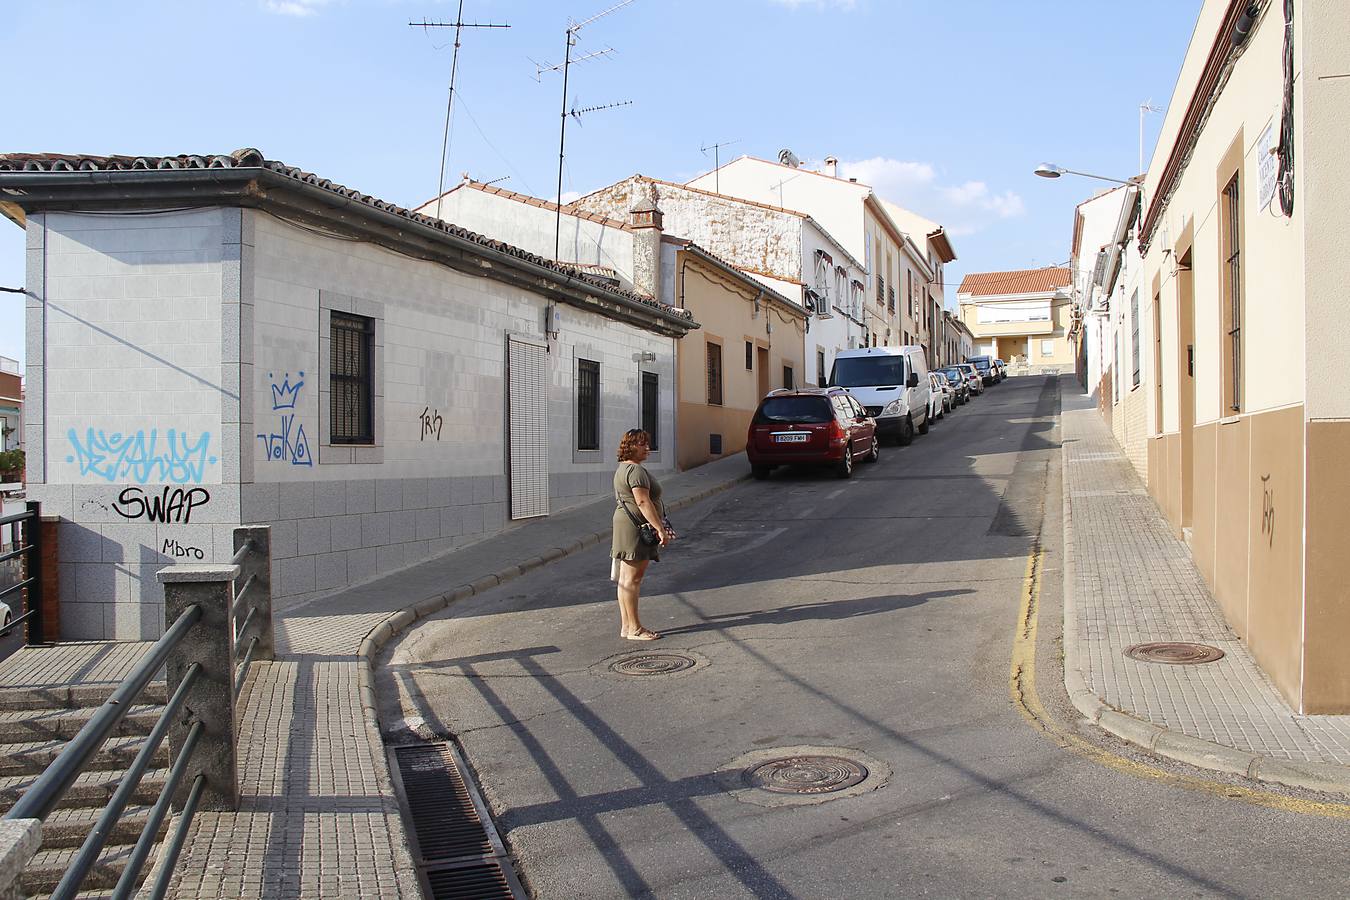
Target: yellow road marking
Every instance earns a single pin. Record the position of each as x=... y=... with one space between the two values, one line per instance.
x=1022 y=686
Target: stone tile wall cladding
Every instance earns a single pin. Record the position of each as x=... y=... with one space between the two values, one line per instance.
x=215 y=322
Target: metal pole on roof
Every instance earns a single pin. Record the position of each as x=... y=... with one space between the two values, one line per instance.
x=459 y=25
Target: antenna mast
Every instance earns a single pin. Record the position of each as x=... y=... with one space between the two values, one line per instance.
x=573 y=30
x=717 y=164
x=459 y=24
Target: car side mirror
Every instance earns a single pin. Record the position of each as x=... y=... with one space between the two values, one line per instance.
x=913 y=380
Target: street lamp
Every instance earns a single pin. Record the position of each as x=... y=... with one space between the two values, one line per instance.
x=1050 y=170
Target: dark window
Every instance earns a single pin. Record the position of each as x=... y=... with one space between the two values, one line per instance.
x=588 y=404
x=881 y=291
x=788 y=381
x=714 y=374
x=1134 y=336
x=1232 y=227
x=352 y=380
x=890 y=299
x=794 y=410
x=650 y=407
x=749 y=355
x=820 y=368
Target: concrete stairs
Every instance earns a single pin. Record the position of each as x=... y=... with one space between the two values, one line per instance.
x=35 y=724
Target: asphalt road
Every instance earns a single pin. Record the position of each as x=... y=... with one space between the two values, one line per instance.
x=874 y=619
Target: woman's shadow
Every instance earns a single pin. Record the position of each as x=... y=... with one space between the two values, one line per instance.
x=819 y=611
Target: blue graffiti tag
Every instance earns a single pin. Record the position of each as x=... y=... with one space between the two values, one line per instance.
x=139 y=457
x=289 y=443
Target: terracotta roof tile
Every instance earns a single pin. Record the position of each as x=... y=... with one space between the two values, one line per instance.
x=249 y=158
x=1020 y=281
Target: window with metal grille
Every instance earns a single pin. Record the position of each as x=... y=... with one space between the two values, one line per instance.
x=714 y=374
x=1232 y=225
x=1134 y=338
x=820 y=368
x=749 y=355
x=588 y=404
x=788 y=380
x=651 y=408
x=881 y=291
x=890 y=299
x=352 y=379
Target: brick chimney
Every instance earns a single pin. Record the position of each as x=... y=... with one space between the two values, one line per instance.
x=645 y=219
x=832 y=166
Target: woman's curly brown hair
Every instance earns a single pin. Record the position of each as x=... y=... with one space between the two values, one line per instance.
x=633 y=437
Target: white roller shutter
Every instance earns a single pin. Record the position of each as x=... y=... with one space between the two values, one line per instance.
x=527 y=415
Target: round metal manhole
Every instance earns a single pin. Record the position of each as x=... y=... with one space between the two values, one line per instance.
x=652 y=664
x=806 y=774
x=1176 y=653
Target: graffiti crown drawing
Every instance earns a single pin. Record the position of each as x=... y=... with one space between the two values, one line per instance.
x=285 y=394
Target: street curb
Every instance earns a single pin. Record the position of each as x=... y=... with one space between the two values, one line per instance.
x=399 y=621
x=1314 y=776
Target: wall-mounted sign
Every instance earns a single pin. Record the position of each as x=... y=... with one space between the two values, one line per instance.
x=1267 y=165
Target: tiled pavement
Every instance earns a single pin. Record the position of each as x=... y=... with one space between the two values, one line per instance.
x=1131 y=581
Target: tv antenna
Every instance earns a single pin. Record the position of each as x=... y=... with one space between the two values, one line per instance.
x=1145 y=107
x=572 y=36
x=716 y=160
x=459 y=24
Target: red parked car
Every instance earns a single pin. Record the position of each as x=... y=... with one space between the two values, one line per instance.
x=810 y=426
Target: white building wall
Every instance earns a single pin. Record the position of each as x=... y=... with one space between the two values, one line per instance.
x=146 y=323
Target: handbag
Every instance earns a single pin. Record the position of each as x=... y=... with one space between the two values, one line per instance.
x=647 y=534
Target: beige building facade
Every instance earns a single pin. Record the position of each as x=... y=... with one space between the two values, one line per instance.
x=1242 y=301
x=1024 y=317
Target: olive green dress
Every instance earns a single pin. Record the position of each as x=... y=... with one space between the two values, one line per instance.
x=626 y=544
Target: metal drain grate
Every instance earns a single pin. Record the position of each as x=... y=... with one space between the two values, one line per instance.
x=1176 y=653
x=806 y=774
x=480 y=880
x=653 y=664
x=458 y=853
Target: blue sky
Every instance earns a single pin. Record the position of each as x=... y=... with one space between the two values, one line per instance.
x=945 y=106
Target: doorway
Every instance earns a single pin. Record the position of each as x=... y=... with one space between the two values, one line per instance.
x=527 y=379
x=1186 y=383
x=762 y=369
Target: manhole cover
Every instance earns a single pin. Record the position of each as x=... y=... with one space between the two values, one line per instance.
x=806 y=774
x=653 y=664
x=1177 y=653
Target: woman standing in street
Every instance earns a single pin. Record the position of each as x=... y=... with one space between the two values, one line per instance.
x=638 y=497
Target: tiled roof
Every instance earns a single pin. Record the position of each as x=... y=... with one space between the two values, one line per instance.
x=1021 y=281
x=249 y=158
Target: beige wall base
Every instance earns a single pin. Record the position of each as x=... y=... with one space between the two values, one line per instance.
x=1326 y=687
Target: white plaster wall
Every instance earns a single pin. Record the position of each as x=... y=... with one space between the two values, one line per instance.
x=1273 y=251
x=132 y=400
x=532 y=228
x=444 y=341
x=830 y=335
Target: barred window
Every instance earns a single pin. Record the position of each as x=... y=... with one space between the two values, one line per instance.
x=588 y=404
x=749 y=355
x=820 y=368
x=789 y=380
x=650 y=408
x=352 y=379
x=714 y=374
x=1134 y=338
x=1231 y=349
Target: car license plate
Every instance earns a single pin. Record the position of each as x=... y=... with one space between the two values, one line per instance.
x=792 y=437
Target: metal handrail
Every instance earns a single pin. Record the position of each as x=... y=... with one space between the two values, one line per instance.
x=242 y=553
x=40 y=799
x=16 y=517
x=126 y=885
x=242 y=674
x=243 y=629
x=160 y=889
x=98 y=836
x=18 y=587
x=241 y=597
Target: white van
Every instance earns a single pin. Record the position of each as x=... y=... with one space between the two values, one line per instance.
x=892 y=382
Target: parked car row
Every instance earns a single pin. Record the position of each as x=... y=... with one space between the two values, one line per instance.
x=874 y=393
x=992 y=369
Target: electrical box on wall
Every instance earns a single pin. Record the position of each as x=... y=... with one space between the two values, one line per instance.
x=552 y=320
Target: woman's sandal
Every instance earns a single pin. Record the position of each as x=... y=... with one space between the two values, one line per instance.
x=642 y=634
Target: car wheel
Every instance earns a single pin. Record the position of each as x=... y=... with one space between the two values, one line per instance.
x=760 y=472
x=923 y=429
x=906 y=436
x=844 y=469
x=875 y=453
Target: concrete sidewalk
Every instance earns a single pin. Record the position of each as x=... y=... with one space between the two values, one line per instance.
x=1127 y=581
x=318 y=817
